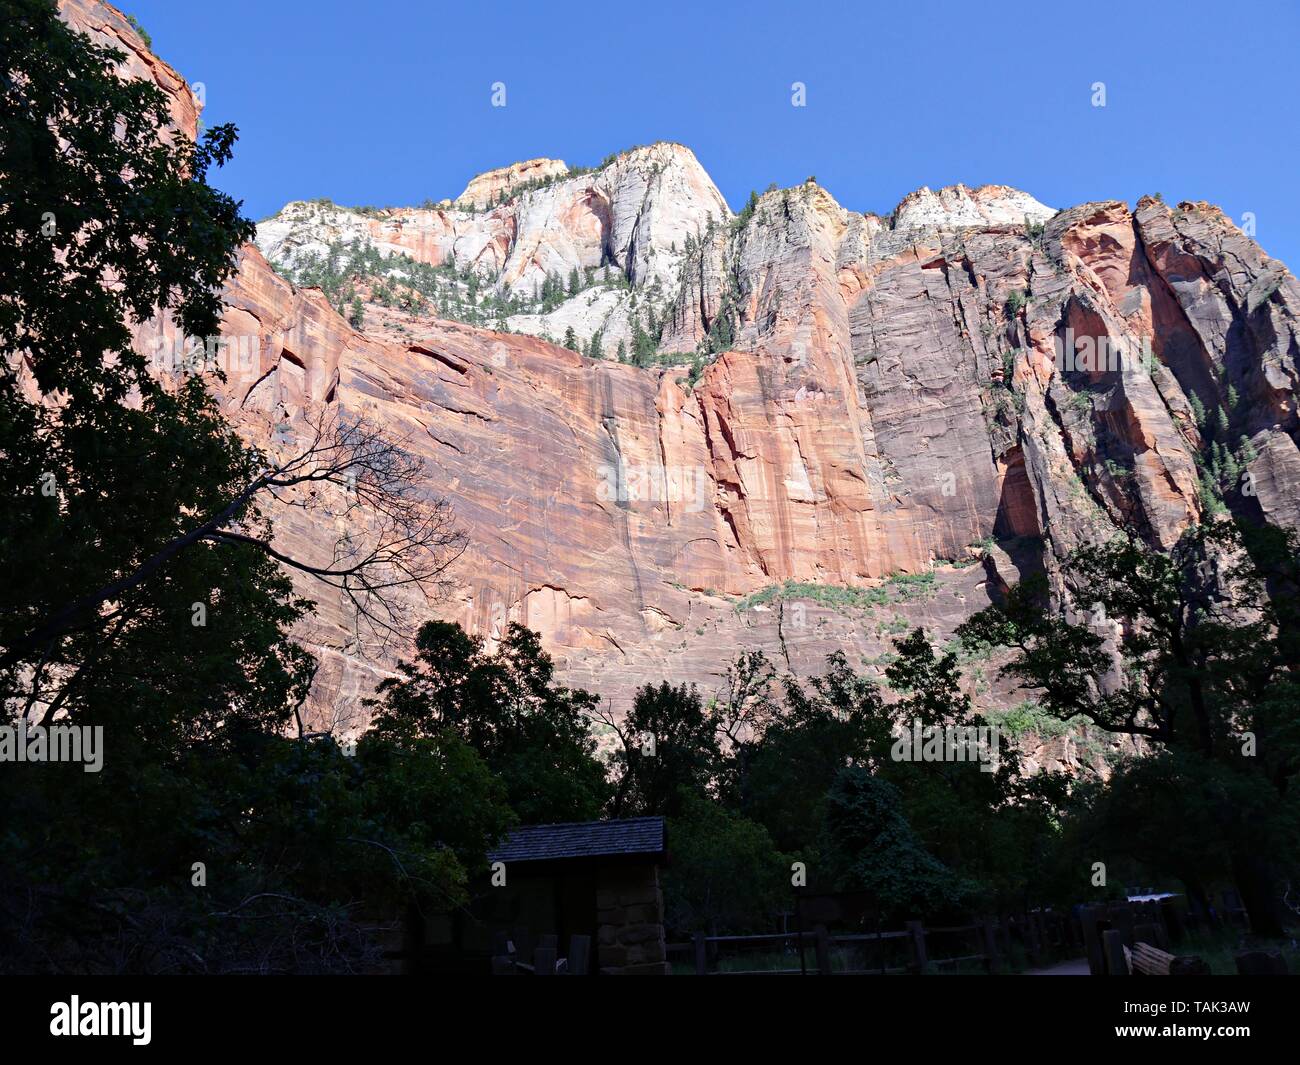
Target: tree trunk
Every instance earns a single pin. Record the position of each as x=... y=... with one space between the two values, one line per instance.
x=1256 y=883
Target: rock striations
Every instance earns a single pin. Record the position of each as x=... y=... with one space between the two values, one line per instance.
x=872 y=422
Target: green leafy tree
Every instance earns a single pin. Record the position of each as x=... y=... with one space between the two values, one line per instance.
x=726 y=875
x=99 y=485
x=1159 y=815
x=787 y=769
x=982 y=818
x=533 y=733
x=1195 y=651
x=743 y=711
x=144 y=34
x=142 y=595
x=668 y=748
x=996 y=828
x=871 y=847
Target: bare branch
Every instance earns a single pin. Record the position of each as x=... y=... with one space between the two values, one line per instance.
x=393 y=541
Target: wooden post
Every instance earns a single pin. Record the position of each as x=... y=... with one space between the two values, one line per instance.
x=917 y=932
x=1033 y=939
x=524 y=942
x=989 y=931
x=701 y=954
x=1088 y=916
x=1074 y=931
x=1173 y=920
x=1152 y=933
x=1112 y=945
x=544 y=961
x=823 y=950
x=1120 y=915
x=1053 y=929
x=579 y=955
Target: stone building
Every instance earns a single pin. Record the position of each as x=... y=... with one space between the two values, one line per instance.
x=596 y=878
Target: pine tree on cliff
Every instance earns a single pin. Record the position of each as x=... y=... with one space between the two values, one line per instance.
x=643 y=344
x=747 y=212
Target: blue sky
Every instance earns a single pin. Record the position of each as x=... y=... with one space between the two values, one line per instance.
x=386 y=102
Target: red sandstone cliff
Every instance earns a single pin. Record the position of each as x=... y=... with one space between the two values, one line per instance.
x=891 y=403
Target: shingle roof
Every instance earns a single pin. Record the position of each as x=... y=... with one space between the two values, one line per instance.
x=582 y=839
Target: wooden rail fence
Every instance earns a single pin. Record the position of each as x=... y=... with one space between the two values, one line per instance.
x=912 y=945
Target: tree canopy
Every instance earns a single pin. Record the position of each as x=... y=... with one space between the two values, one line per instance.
x=142 y=596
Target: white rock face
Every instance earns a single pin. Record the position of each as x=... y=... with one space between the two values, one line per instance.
x=427 y=235
x=635 y=213
x=956 y=206
x=596 y=309
x=658 y=197
x=307 y=227
x=633 y=216
x=486 y=189
x=625 y=229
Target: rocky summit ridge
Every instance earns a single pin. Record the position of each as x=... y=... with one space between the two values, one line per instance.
x=625 y=226
x=671 y=431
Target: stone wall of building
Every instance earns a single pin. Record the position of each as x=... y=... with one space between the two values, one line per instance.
x=630 y=915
